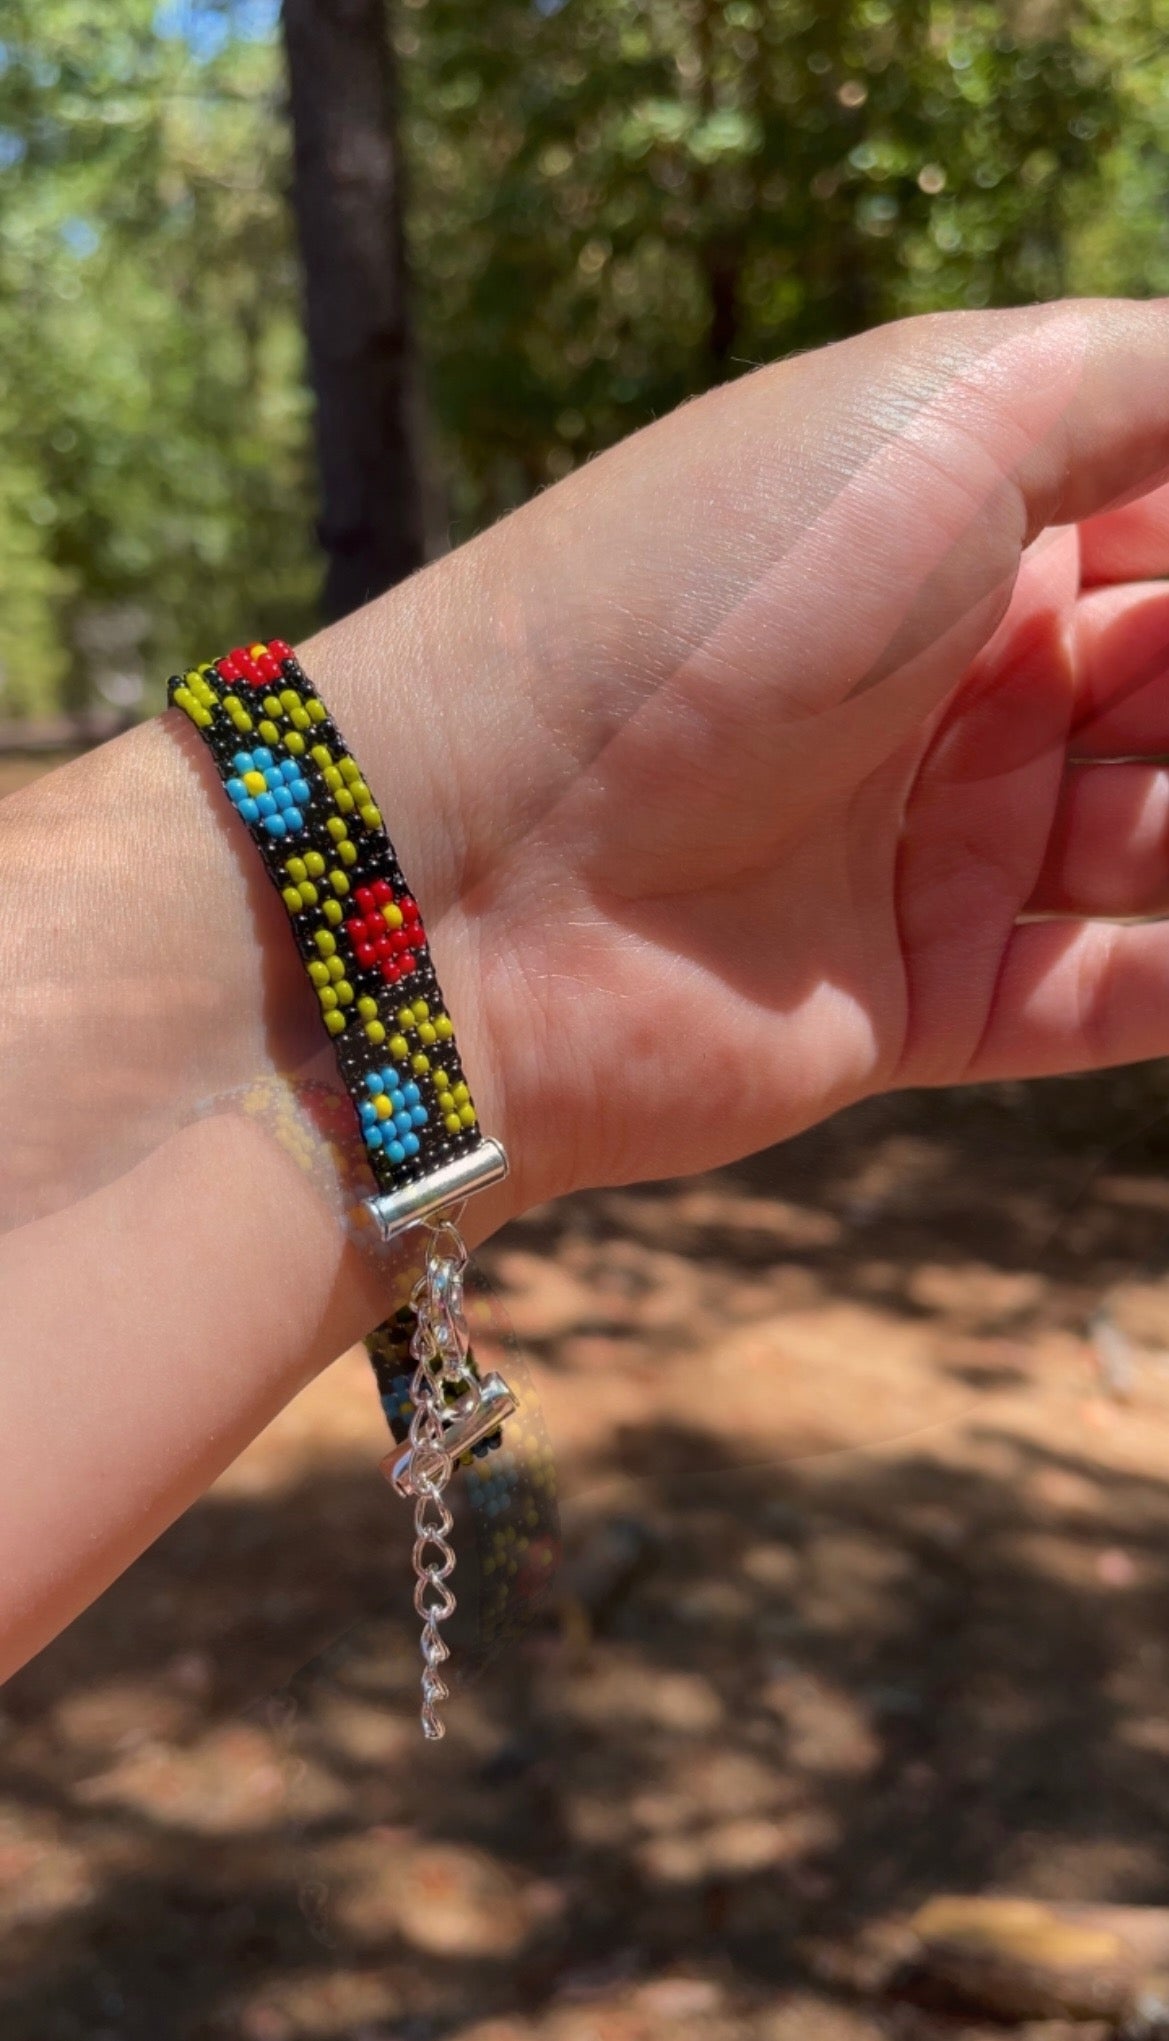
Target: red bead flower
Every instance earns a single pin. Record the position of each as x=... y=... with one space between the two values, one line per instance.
x=386 y=933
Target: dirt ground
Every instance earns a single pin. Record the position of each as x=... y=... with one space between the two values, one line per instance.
x=863 y=1449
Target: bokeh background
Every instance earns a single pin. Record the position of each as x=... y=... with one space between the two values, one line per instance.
x=609 y=205
x=864 y=1443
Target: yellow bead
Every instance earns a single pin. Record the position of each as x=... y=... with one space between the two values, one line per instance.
x=294 y=743
x=420 y=1010
x=314 y=864
x=453 y=1124
x=382 y=1106
x=328 y=997
x=292 y=900
x=242 y=722
x=344 y=992
x=335 y=967
x=336 y=829
x=444 y=1027
x=202 y=717
x=231 y=703
x=367 y=1008
x=298 y=719
x=467 y=1115
x=309 y=893
x=321 y=755
x=405 y=1016
x=255 y=782
x=349 y=769
x=271 y=705
x=339 y=882
x=297 y=870
x=333 y=778
x=428 y=1034
x=326 y=943
x=371 y=816
x=318 y=972
x=376 y=1033
x=195 y=673
x=446 y=1103
x=420 y=1065
x=347 y=852
x=184 y=699
x=399 y=1047
x=289 y=699
x=442 y=1083
x=461 y=1094
x=335 y=1022
x=392 y=916
x=316 y=709
x=345 y=800
x=257 y=651
x=360 y=792
x=269 y=732
x=333 y=913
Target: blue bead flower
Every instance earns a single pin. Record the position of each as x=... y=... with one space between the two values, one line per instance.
x=281 y=807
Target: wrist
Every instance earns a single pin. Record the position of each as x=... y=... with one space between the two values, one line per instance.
x=409 y=680
x=305 y=806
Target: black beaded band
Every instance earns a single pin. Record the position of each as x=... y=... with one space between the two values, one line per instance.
x=291 y=779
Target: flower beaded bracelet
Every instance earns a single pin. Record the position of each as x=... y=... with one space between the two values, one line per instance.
x=294 y=784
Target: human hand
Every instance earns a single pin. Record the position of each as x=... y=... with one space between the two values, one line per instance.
x=730 y=765
x=731 y=775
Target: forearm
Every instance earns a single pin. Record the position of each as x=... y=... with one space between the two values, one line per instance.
x=169 y=1275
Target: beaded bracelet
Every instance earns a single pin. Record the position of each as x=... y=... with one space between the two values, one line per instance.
x=293 y=782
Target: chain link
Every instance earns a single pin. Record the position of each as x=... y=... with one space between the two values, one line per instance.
x=443 y=1379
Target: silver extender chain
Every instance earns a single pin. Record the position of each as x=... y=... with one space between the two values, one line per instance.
x=444 y=1379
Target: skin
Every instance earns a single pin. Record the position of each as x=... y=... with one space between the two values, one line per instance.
x=805 y=746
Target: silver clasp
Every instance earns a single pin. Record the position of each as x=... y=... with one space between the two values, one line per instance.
x=468 y=1427
x=414 y=1203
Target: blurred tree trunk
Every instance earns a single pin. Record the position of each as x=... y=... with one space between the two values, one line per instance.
x=347 y=192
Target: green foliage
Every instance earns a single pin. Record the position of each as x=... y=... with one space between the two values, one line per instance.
x=619 y=202
x=613 y=203
x=152 y=410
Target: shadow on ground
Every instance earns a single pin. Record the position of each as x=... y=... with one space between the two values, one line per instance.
x=887 y=1618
